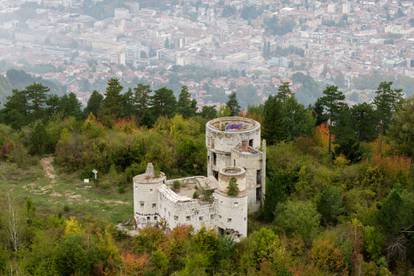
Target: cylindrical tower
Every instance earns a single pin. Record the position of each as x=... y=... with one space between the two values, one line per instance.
x=225 y=133
x=232 y=209
x=227 y=173
x=146 y=196
x=236 y=141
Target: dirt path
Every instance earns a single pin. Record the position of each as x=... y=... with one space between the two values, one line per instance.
x=48 y=168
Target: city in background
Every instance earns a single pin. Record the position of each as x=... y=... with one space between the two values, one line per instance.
x=214 y=47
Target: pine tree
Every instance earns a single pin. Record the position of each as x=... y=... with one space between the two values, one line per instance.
x=208 y=112
x=94 y=104
x=142 y=101
x=386 y=102
x=70 y=106
x=15 y=112
x=53 y=105
x=37 y=96
x=284 y=118
x=39 y=139
x=401 y=131
x=186 y=106
x=346 y=142
x=332 y=103
x=163 y=103
x=233 y=105
x=319 y=113
x=112 y=104
x=364 y=121
x=128 y=103
x=284 y=91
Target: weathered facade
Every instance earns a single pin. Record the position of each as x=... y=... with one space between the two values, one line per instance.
x=234 y=154
x=236 y=141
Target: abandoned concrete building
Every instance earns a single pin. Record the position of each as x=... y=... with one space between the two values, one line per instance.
x=236 y=154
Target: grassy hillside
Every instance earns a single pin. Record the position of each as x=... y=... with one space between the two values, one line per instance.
x=63 y=193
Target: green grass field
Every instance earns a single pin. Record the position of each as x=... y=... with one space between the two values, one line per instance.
x=65 y=194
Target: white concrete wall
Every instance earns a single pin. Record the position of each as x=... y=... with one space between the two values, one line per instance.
x=186 y=213
x=222 y=160
x=146 y=203
x=226 y=141
x=252 y=163
x=232 y=213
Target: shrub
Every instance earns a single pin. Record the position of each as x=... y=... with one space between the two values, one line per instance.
x=233 y=188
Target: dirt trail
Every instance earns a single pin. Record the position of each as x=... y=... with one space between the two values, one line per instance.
x=48 y=168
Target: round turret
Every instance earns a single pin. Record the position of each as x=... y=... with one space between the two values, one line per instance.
x=232 y=208
x=225 y=133
x=146 y=187
x=227 y=174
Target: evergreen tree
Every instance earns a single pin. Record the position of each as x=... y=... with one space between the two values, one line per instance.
x=163 y=103
x=332 y=103
x=284 y=91
x=53 y=105
x=233 y=105
x=142 y=101
x=112 y=104
x=386 y=101
x=364 y=121
x=94 y=104
x=128 y=103
x=39 y=139
x=330 y=204
x=208 y=112
x=318 y=110
x=401 y=132
x=37 y=96
x=284 y=118
x=233 y=188
x=346 y=141
x=70 y=106
x=186 y=106
x=15 y=112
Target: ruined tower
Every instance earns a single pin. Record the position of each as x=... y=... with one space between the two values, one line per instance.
x=236 y=142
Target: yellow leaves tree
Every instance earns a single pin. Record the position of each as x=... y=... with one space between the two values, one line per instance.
x=72 y=227
x=328 y=257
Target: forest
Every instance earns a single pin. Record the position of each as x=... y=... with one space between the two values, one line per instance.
x=339 y=190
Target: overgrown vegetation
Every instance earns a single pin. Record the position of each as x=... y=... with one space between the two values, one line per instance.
x=347 y=208
x=233 y=188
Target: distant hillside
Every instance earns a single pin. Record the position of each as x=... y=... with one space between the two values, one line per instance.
x=18 y=79
x=5 y=89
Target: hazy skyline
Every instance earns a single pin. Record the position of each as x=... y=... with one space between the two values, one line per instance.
x=213 y=47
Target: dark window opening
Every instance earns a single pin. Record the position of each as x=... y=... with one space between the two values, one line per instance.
x=258 y=193
x=251 y=142
x=214 y=158
x=221 y=231
x=215 y=173
x=259 y=177
x=234 y=162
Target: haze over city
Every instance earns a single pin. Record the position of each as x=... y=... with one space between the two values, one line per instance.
x=212 y=47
